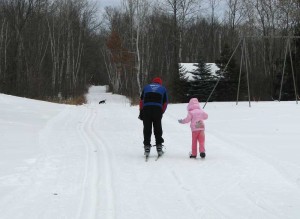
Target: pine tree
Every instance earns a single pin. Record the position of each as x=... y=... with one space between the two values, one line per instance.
x=175 y=86
x=296 y=59
x=203 y=82
x=183 y=85
x=227 y=87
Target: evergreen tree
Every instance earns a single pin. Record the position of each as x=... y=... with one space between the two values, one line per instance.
x=175 y=86
x=227 y=87
x=296 y=58
x=183 y=85
x=203 y=82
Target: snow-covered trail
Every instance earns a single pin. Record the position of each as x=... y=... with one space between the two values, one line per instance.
x=234 y=181
x=52 y=182
x=87 y=162
x=244 y=174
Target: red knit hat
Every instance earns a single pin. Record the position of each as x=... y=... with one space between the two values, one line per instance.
x=157 y=80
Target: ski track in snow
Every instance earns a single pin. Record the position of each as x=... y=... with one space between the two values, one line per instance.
x=89 y=164
x=88 y=201
x=104 y=162
x=258 y=165
x=249 y=165
x=43 y=178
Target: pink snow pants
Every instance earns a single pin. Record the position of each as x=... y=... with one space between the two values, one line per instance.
x=198 y=136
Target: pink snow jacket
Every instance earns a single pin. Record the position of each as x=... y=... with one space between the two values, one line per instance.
x=195 y=115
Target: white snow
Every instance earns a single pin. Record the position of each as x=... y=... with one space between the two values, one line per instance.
x=86 y=162
x=190 y=67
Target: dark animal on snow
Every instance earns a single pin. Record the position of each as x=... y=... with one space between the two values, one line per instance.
x=102 y=101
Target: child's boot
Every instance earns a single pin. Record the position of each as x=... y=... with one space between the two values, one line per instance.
x=202 y=154
x=192 y=156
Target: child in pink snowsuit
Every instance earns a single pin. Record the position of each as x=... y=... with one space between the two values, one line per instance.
x=196 y=116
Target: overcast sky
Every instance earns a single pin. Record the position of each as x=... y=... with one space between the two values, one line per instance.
x=105 y=3
x=101 y=4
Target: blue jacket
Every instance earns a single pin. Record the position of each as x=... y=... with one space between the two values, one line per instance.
x=154 y=94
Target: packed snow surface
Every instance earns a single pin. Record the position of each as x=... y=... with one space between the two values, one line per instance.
x=86 y=162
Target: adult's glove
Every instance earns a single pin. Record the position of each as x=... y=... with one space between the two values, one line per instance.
x=141 y=116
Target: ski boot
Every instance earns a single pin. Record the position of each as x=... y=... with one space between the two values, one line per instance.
x=159 y=150
x=147 y=150
x=202 y=154
x=192 y=156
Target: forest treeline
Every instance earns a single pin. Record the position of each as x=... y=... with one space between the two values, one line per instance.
x=57 y=48
x=48 y=48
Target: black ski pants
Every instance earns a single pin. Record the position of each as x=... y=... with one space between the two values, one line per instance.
x=152 y=116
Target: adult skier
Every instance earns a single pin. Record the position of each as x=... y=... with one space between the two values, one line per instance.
x=153 y=104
